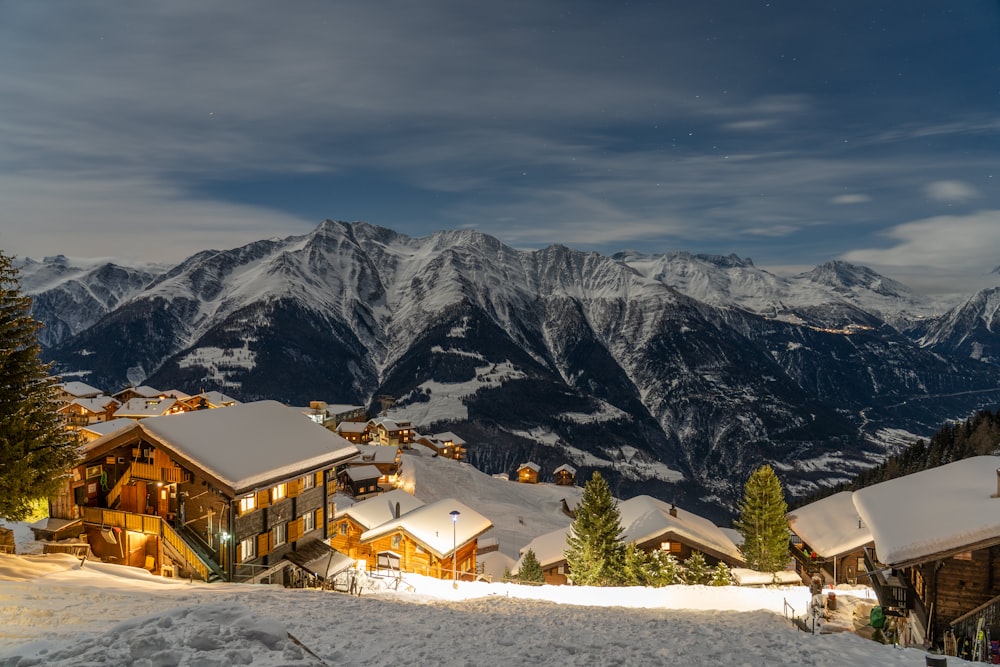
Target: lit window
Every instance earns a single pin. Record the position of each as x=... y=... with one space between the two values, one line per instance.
x=308 y=522
x=308 y=482
x=248 y=549
x=248 y=503
x=280 y=534
x=278 y=493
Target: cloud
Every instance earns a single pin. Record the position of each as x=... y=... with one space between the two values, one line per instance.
x=949 y=252
x=950 y=191
x=854 y=198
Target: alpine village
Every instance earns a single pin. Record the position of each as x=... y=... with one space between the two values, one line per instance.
x=205 y=487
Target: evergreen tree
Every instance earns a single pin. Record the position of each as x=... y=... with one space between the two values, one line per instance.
x=721 y=576
x=695 y=569
x=596 y=553
x=668 y=568
x=640 y=569
x=762 y=522
x=531 y=569
x=36 y=452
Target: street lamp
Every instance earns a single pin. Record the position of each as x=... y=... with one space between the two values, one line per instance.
x=454 y=548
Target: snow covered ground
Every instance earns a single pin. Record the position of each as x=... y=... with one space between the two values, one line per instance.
x=55 y=611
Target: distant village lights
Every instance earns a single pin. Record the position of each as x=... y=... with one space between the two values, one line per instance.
x=454 y=548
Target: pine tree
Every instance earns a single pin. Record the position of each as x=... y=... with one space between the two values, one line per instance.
x=695 y=569
x=721 y=576
x=762 y=522
x=531 y=570
x=596 y=553
x=668 y=568
x=36 y=452
x=640 y=569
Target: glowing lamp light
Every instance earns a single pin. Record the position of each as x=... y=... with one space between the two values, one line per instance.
x=454 y=548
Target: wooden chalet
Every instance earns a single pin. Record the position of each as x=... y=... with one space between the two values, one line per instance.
x=356 y=432
x=70 y=391
x=832 y=540
x=429 y=542
x=384 y=431
x=84 y=411
x=652 y=524
x=360 y=481
x=351 y=522
x=213 y=494
x=142 y=391
x=209 y=400
x=550 y=551
x=936 y=557
x=388 y=460
x=142 y=408
x=527 y=473
x=565 y=475
x=331 y=415
x=96 y=430
x=446 y=445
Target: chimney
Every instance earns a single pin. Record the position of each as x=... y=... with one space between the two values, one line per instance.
x=396 y=512
x=673 y=509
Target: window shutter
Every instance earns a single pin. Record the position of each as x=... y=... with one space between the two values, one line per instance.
x=264 y=544
x=239 y=553
x=294 y=529
x=293 y=488
x=319 y=478
x=318 y=520
x=263 y=498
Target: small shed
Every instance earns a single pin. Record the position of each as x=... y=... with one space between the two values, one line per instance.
x=360 y=480
x=527 y=473
x=565 y=475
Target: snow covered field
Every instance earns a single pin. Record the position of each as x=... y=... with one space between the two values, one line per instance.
x=55 y=611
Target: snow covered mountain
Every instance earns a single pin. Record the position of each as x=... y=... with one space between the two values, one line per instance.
x=971 y=329
x=674 y=374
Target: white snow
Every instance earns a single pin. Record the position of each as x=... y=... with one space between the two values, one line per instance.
x=56 y=612
x=909 y=523
x=434 y=526
x=830 y=526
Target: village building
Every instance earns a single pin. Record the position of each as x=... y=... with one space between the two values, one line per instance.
x=832 y=540
x=92 y=432
x=356 y=432
x=527 y=473
x=143 y=408
x=436 y=540
x=331 y=415
x=383 y=431
x=388 y=460
x=936 y=558
x=447 y=445
x=209 y=400
x=360 y=481
x=565 y=475
x=83 y=411
x=142 y=391
x=650 y=524
x=351 y=522
x=67 y=392
x=213 y=494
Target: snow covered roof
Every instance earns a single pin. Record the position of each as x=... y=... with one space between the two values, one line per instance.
x=932 y=513
x=145 y=391
x=565 y=467
x=110 y=426
x=80 y=389
x=645 y=518
x=361 y=473
x=549 y=548
x=146 y=407
x=352 y=427
x=378 y=453
x=380 y=509
x=96 y=404
x=831 y=526
x=250 y=444
x=432 y=526
x=448 y=436
x=530 y=466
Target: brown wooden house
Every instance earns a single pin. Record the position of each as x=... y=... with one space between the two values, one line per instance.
x=832 y=539
x=936 y=557
x=384 y=431
x=351 y=522
x=565 y=475
x=85 y=411
x=437 y=540
x=214 y=494
x=527 y=473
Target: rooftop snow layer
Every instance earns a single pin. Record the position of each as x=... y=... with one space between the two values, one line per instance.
x=831 y=526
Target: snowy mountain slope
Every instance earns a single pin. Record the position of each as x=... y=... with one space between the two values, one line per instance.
x=969 y=330
x=834 y=294
x=71 y=295
x=550 y=355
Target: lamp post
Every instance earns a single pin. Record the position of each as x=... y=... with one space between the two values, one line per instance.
x=454 y=548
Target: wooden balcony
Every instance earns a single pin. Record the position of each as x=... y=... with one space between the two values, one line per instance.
x=154 y=473
x=892 y=591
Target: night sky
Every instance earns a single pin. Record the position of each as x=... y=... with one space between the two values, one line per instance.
x=790 y=132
